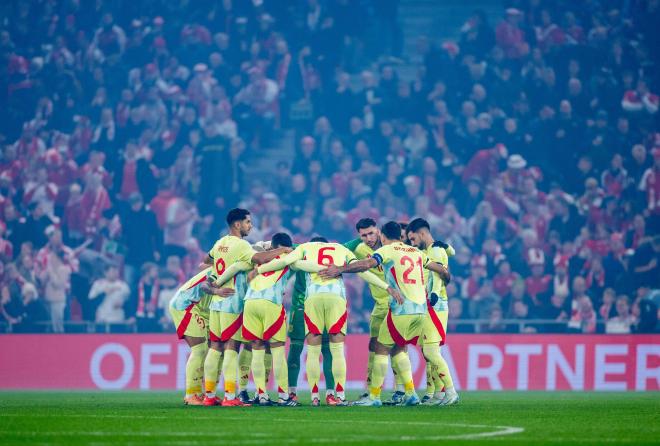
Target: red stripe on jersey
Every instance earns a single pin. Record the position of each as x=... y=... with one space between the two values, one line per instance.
x=313 y=329
x=436 y=321
x=197 y=283
x=232 y=329
x=394 y=275
x=181 y=329
x=214 y=337
x=273 y=329
x=336 y=328
x=286 y=268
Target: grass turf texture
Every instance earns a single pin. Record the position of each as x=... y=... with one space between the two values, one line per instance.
x=159 y=418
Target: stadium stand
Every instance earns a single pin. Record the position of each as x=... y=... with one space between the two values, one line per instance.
x=527 y=136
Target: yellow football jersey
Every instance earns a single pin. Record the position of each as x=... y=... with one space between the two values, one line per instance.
x=324 y=254
x=227 y=251
x=438 y=255
x=404 y=268
x=363 y=251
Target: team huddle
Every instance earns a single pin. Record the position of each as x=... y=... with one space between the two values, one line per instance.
x=232 y=316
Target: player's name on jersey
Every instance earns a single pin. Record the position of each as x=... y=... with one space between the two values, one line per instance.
x=404 y=248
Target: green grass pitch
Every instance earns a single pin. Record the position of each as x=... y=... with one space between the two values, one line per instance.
x=159 y=418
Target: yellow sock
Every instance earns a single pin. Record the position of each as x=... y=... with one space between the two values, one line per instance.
x=398 y=381
x=313 y=369
x=229 y=370
x=258 y=370
x=441 y=368
x=244 y=362
x=402 y=362
x=195 y=369
x=339 y=367
x=268 y=363
x=430 y=378
x=211 y=369
x=378 y=376
x=281 y=371
x=370 y=367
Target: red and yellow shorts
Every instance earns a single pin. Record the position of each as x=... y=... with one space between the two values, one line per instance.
x=264 y=320
x=325 y=312
x=192 y=321
x=225 y=326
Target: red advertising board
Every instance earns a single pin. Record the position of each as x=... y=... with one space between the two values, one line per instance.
x=477 y=362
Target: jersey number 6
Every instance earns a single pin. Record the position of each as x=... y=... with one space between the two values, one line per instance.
x=325 y=259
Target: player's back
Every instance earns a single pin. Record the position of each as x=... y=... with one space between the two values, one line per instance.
x=225 y=252
x=326 y=254
x=404 y=269
x=269 y=286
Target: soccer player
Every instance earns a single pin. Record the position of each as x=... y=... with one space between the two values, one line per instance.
x=325 y=309
x=226 y=314
x=297 y=341
x=364 y=247
x=189 y=308
x=264 y=323
x=404 y=268
x=440 y=386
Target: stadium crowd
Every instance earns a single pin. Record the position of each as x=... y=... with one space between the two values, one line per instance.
x=532 y=145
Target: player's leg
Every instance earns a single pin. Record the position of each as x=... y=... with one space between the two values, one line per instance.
x=244 y=363
x=312 y=365
x=296 y=343
x=192 y=327
x=314 y=326
x=376 y=319
x=268 y=363
x=326 y=354
x=231 y=325
x=274 y=322
x=213 y=360
x=259 y=372
x=336 y=320
x=436 y=323
x=392 y=338
x=253 y=331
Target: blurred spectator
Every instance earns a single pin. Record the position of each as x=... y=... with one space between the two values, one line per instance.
x=111 y=293
x=623 y=322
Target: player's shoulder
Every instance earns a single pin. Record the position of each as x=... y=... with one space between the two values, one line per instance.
x=363 y=249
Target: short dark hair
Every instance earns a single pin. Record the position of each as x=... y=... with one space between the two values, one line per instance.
x=391 y=230
x=365 y=223
x=319 y=239
x=281 y=239
x=417 y=224
x=403 y=225
x=236 y=214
